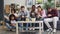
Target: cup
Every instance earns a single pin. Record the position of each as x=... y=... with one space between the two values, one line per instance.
x=33 y=19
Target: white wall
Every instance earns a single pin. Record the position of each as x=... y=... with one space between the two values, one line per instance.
x=20 y=2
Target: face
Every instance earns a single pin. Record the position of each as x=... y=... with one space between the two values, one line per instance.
x=12 y=18
x=49 y=10
x=22 y=9
x=39 y=9
x=12 y=12
x=33 y=7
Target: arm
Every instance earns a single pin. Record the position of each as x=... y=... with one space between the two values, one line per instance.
x=44 y=14
x=6 y=17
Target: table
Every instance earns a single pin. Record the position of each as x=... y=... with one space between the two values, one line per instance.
x=40 y=25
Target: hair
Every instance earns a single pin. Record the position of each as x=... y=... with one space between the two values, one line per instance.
x=39 y=7
x=22 y=7
x=49 y=8
x=13 y=10
x=33 y=8
x=54 y=9
x=12 y=15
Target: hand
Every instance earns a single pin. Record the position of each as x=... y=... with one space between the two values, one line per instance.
x=49 y=15
x=22 y=16
x=32 y=13
x=39 y=16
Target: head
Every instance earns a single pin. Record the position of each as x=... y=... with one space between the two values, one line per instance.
x=12 y=17
x=49 y=9
x=39 y=8
x=54 y=10
x=13 y=11
x=33 y=7
x=22 y=8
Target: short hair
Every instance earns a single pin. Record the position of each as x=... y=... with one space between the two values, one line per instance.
x=49 y=8
x=22 y=7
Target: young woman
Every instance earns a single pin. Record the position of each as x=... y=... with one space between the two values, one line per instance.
x=40 y=13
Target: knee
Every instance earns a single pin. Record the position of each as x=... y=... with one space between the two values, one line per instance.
x=45 y=20
x=55 y=18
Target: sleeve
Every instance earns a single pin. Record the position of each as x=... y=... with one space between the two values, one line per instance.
x=28 y=14
x=19 y=14
x=44 y=14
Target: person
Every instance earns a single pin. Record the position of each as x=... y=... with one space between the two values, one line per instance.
x=52 y=16
x=23 y=14
x=13 y=11
x=12 y=19
x=32 y=15
x=41 y=14
x=33 y=12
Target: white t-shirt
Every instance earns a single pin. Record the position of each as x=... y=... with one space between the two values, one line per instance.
x=13 y=21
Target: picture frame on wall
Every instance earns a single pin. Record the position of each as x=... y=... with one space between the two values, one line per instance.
x=29 y=3
x=57 y=4
x=39 y=1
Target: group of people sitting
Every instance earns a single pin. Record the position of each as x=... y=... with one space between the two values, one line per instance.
x=50 y=15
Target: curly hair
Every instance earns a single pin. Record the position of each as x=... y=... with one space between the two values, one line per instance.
x=12 y=15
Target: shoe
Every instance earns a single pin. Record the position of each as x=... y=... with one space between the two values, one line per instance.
x=33 y=28
x=30 y=28
x=50 y=29
x=54 y=30
x=10 y=30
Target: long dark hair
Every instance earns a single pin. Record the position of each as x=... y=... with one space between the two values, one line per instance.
x=40 y=7
x=33 y=8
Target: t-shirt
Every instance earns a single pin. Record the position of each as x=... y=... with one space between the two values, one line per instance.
x=13 y=21
x=53 y=13
x=33 y=14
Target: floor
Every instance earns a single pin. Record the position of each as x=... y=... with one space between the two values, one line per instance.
x=4 y=31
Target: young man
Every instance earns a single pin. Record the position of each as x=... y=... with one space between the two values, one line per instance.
x=23 y=14
x=52 y=17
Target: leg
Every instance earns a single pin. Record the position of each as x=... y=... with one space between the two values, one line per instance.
x=8 y=26
x=55 y=19
x=46 y=22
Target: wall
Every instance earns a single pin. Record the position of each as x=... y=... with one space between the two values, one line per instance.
x=20 y=2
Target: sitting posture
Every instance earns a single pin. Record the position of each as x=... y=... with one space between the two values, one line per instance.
x=52 y=16
x=12 y=19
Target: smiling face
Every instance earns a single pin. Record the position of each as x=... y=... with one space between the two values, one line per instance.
x=39 y=9
x=12 y=12
x=33 y=8
x=12 y=18
x=22 y=9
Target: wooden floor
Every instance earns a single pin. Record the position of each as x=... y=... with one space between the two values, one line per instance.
x=4 y=31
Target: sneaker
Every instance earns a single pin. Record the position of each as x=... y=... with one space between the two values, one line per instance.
x=50 y=29
x=33 y=28
x=54 y=30
x=30 y=28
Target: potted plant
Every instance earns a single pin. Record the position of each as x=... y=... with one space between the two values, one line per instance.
x=49 y=3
